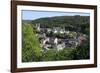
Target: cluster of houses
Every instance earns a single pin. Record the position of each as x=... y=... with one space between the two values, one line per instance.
x=47 y=42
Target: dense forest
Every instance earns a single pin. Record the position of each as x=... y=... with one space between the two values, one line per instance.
x=31 y=49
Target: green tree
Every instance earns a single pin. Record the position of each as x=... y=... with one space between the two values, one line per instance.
x=30 y=44
x=82 y=51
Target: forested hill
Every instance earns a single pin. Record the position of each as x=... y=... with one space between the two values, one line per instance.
x=71 y=23
x=27 y=21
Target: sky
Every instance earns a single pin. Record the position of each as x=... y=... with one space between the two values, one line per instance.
x=32 y=15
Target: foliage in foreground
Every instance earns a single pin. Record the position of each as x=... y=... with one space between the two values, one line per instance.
x=30 y=44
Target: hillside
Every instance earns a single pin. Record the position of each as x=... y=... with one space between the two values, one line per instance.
x=71 y=23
